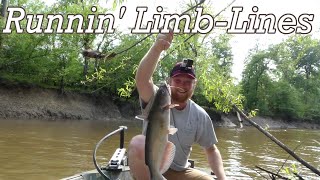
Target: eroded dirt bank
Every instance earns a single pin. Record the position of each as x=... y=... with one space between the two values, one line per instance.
x=27 y=102
x=37 y=103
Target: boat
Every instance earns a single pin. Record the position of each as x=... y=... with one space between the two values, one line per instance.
x=117 y=167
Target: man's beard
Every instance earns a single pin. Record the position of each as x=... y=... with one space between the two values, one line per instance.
x=178 y=97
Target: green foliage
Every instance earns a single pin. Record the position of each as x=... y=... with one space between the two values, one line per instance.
x=285 y=101
x=284 y=80
x=56 y=60
x=290 y=172
x=256 y=82
x=217 y=88
x=252 y=113
x=50 y=60
x=117 y=3
x=116 y=75
x=127 y=90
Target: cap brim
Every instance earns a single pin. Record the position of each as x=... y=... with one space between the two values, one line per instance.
x=189 y=75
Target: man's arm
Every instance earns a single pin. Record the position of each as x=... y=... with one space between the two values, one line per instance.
x=215 y=162
x=148 y=64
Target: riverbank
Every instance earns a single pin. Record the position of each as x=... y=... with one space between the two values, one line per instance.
x=267 y=123
x=25 y=102
x=37 y=103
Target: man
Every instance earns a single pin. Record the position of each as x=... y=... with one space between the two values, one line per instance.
x=193 y=123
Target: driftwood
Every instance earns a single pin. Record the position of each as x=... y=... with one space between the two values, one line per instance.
x=300 y=178
x=93 y=54
x=97 y=54
x=272 y=174
x=239 y=119
x=279 y=143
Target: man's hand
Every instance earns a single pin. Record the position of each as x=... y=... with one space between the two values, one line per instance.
x=215 y=162
x=148 y=65
x=163 y=41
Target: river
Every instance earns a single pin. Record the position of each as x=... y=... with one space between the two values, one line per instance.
x=39 y=149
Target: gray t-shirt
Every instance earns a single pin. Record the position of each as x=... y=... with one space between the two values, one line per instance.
x=194 y=126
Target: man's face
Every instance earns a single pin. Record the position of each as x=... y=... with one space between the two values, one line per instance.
x=182 y=87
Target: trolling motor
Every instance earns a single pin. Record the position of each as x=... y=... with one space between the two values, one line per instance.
x=119 y=160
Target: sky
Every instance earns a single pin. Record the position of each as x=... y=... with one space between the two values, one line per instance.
x=240 y=43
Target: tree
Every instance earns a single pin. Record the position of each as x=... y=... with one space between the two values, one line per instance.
x=104 y=63
x=283 y=80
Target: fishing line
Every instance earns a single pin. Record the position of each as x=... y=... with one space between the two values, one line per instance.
x=187 y=39
x=144 y=38
x=99 y=169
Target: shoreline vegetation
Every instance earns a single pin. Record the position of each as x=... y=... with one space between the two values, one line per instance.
x=27 y=102
x=281 y=80
x=91 y=77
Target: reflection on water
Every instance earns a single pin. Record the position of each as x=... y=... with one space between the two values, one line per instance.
x=34 y=149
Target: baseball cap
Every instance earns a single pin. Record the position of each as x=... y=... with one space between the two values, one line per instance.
x=179 y=69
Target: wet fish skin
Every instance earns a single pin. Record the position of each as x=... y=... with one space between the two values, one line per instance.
x=157 y=132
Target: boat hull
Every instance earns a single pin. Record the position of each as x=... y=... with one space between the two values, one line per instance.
x=124 y=174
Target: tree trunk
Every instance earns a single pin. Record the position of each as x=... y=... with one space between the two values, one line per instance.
x=61 y=89
x=85 y=66
x=4 y=8
x=63 y=67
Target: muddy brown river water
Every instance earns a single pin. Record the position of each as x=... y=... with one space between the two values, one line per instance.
x=39 y=149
